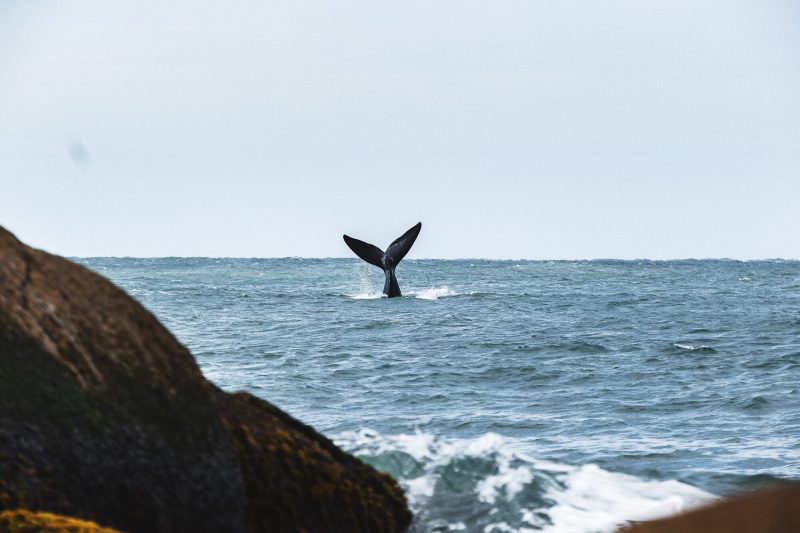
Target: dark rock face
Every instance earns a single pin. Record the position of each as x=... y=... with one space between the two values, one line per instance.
x=104 y=415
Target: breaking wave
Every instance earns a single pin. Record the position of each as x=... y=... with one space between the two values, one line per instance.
x=504 y=489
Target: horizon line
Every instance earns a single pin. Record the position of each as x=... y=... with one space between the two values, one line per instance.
x=498 y=259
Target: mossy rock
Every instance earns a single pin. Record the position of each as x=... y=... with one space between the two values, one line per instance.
x=105 y=416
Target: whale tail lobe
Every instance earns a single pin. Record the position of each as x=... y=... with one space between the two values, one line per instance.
x=388 y=260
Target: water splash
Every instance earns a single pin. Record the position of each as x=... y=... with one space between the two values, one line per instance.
x=506 y=489
x=434 y=293
x=368 y=295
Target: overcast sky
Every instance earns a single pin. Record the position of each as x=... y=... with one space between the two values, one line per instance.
x=511 y=129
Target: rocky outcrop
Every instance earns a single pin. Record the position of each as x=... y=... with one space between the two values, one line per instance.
x=104 y=415
x=773 y=510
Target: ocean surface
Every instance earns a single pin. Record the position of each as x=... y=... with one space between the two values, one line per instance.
x=567 y=396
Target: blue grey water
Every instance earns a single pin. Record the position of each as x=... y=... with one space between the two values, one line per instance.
x=511 y=395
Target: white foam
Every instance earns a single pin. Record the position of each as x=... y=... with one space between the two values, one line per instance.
x=510 y=482
x=434 y=293
x=504 y=528
x=691 y=347
x=368 y=296
x=419 y=489
x=598 y=500
x=587 y=498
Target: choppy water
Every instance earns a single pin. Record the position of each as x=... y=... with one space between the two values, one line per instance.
x=505 y=395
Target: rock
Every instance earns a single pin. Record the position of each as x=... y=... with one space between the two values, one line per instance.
x=23 y=521
x=772 y=510
x=104 y=415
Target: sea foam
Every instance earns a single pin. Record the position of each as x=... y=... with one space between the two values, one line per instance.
x=433 y=293
x=510 y=490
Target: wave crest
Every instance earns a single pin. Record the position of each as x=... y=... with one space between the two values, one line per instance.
x=504 y=489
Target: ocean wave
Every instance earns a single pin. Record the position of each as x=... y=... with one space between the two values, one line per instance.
x=504 y=489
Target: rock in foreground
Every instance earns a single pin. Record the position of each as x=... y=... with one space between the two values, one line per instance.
x=105 y=416
x=773 y=510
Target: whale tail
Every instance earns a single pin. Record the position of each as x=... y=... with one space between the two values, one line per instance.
x=388 y=260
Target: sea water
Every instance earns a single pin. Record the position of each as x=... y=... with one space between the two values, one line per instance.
x=511 y=395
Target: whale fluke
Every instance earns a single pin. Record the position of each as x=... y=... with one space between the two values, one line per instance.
x=387 y=261
x=366 y=251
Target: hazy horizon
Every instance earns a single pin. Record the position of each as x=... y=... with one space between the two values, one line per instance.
x=492 y=259
x=517 y=129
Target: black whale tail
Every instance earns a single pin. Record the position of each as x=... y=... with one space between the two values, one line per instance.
x=388 y=260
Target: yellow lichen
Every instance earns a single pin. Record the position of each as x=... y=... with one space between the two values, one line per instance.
x=24 y=521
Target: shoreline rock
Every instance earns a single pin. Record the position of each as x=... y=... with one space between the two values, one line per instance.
x=770 y=510
x=104 y=415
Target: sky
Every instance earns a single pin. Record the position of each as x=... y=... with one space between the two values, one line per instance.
x=512 y=129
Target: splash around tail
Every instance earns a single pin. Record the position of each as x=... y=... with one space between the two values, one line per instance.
x=388 y=260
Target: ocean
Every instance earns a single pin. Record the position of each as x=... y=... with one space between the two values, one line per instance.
x=558 y=396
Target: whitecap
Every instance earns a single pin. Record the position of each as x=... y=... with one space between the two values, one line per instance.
x=692 y=348
x=594 y=499
x=434 y=293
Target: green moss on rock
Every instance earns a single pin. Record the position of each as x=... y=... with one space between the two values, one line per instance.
x=105 y=415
